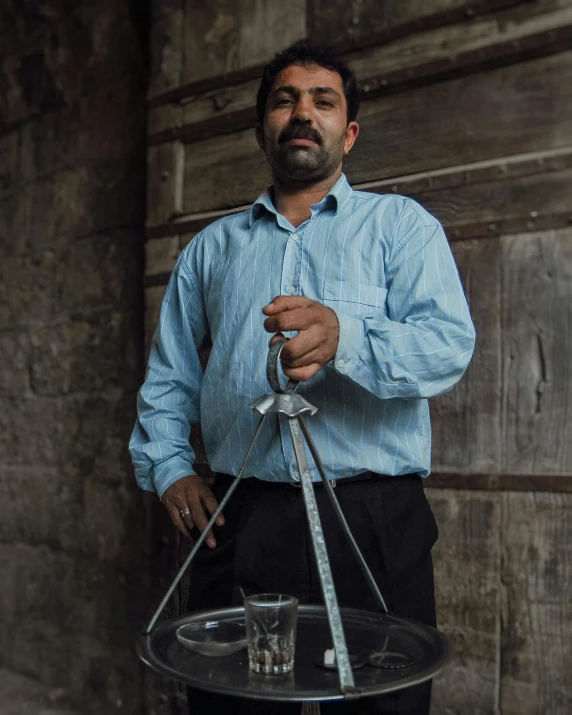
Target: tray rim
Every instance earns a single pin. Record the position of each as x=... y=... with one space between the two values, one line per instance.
x=146 y=654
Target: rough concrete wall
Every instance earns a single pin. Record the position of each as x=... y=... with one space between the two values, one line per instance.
x=72 y=186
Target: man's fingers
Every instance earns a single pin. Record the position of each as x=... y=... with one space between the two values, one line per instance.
x=302 y=374
x=212 y=505
x=293 y=319
x=286 y=302
x=201 y=522
x=177 y=520
x=313 y=355
x=278 y=338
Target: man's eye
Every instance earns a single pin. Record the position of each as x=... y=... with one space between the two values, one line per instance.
x=325 y=103
x=284 y=100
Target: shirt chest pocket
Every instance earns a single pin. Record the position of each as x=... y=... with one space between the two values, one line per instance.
x=355 y=298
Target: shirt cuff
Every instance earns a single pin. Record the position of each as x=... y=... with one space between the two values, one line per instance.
x=350 y=340
x=170 y=472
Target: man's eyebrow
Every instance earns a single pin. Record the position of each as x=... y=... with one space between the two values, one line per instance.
x=294 y=91
x=325 y=90
x=288 y=88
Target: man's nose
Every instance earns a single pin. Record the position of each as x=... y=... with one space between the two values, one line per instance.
x=303 y=110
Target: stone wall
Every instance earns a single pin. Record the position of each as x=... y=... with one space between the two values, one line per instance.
x=73 y=530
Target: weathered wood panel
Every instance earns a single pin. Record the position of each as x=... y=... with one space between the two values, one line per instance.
x=166 y=166
x=167 y=48
x=536 y=655
x=224 y=172
x=489 y=198
x=466 y=420
x=507 y=111
x=537 y=349
x=493 y=203
x=332 y=21
x=467 y=584
x=497 y=38
x=435 y=126
x=226 y=35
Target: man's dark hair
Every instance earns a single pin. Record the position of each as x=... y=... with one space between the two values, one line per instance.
x=305 y=52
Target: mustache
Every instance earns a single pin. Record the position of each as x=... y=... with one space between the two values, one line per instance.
x=299 y=131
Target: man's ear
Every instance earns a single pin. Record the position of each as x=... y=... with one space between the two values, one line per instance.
x=352 y=131
x=259 y=131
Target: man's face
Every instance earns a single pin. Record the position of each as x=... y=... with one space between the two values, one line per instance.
x=305 y=134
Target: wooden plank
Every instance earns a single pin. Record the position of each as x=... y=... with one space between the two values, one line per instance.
x=500 y=482
x=540 y=178
x=467 y=588
x=335 y=21
x=231 y=34
x=450 y=123
x=494 y=207
x=466 y=420
x=536 y=616
x=166 y=52
x=165 y=182
x=536 y=349
x=434 y=127
x=434 y=54
x=211 y=166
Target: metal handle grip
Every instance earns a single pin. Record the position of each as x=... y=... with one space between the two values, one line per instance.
x=273 y=370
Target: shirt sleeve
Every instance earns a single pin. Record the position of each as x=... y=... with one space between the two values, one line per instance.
x=169 y=400
x=421 y=345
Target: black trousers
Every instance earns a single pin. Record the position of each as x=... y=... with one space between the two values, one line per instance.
x=265 y=546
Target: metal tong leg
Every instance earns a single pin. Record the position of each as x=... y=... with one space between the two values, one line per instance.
x=203 y=535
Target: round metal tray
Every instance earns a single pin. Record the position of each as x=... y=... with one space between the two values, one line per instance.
x=424 y=649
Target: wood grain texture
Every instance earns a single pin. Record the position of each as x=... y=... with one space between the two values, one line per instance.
x=165 y=182
x=480 y=199
x=536 y=656
x=167 y=49
x=224 y=172
x=433 y=127
x=494 y=39
x=466 y=420
x=450 y=123
x=537 y=368
x=467 y=586
x=336 y=20
x=226 y=35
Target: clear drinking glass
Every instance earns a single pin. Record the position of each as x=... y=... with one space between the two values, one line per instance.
x=271 y=632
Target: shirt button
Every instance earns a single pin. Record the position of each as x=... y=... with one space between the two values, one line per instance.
x=295 y=237
x=340 y=363
x=291 y=289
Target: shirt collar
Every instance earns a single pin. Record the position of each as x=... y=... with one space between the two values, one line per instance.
x=336 y=198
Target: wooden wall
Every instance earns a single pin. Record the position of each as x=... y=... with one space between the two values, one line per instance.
x=467 y=107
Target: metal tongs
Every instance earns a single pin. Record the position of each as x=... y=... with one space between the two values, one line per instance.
x=284 y=400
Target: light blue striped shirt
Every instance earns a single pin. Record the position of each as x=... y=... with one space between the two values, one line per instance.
x=383 y=264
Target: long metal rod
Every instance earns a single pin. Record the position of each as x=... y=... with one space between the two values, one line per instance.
x=346 y=678
x=342 y=519
x=203 y=535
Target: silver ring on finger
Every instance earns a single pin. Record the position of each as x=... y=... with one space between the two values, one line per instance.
x=185 y=512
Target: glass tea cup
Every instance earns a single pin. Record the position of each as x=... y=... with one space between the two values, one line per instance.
x=271 y=632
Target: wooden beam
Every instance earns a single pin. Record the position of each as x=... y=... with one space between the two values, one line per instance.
x=440 y=19
x=501 y=482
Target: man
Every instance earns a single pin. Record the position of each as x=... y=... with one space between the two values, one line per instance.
x=368 y=291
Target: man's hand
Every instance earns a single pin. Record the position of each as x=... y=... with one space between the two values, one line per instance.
x=317 y=341
x=191 y=493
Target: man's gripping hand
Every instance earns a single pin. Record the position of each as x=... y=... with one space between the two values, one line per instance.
x=186 y=501
x=317 y=339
